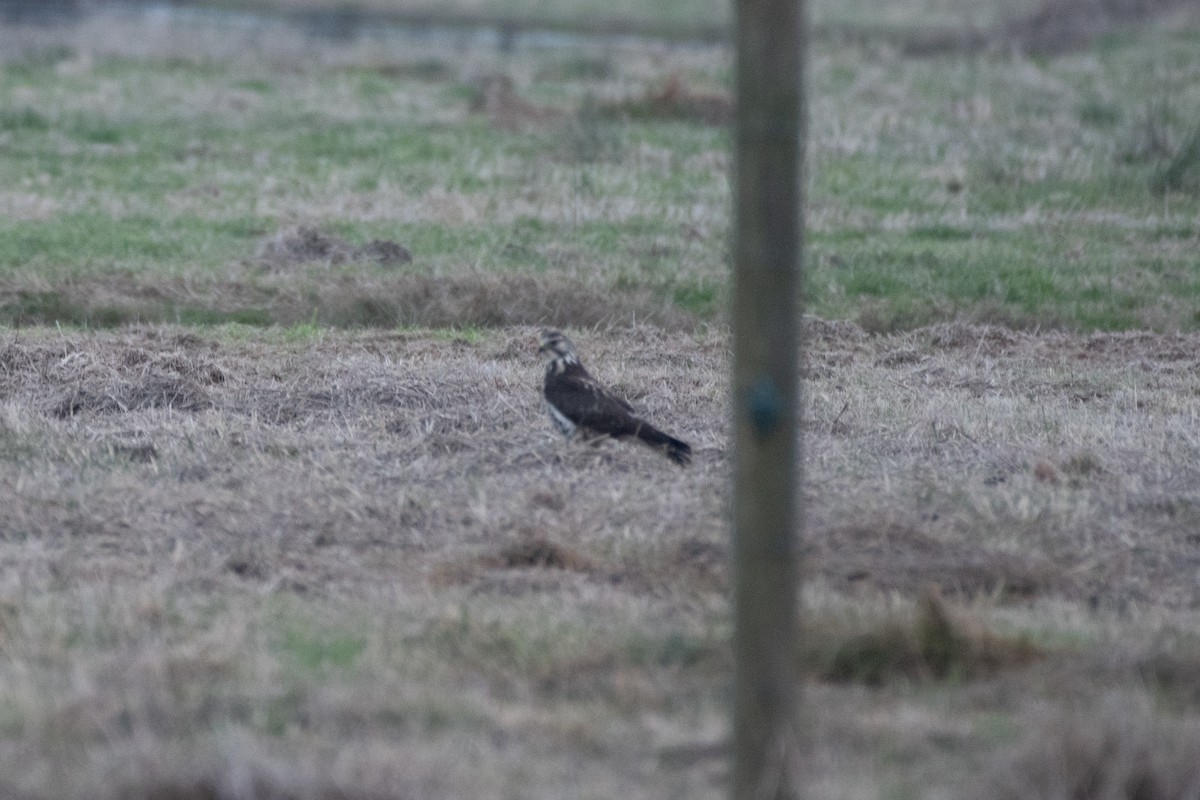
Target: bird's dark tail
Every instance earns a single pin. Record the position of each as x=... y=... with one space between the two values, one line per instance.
x=672 y=448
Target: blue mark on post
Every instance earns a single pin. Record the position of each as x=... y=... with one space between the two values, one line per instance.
x=765 y=406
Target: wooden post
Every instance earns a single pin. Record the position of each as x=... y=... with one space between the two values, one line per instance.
x=767 y=210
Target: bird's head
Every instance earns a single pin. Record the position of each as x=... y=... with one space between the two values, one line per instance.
x=553 y=345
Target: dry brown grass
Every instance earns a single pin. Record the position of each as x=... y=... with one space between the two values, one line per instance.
x=290 y=291
x=316 y=564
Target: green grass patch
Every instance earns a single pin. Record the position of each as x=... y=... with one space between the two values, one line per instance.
x=311 y=646
x=55 y=307
x=703 y=300
x=23 y=119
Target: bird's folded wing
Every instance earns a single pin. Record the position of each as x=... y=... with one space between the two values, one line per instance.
x=588 y=404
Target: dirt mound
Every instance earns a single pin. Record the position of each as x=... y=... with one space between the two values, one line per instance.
x=384 y=252
x=304 y=245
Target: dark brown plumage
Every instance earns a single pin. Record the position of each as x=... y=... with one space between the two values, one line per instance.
x=578 y=402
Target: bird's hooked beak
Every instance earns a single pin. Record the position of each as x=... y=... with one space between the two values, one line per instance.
x=544 y=340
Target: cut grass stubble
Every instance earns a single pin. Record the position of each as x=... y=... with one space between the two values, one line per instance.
x=235 y=552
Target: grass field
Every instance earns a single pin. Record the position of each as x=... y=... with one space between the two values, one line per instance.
x=1055 y=193
x=283 y=517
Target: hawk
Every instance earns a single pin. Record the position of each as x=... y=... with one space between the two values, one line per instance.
x=578 y=402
